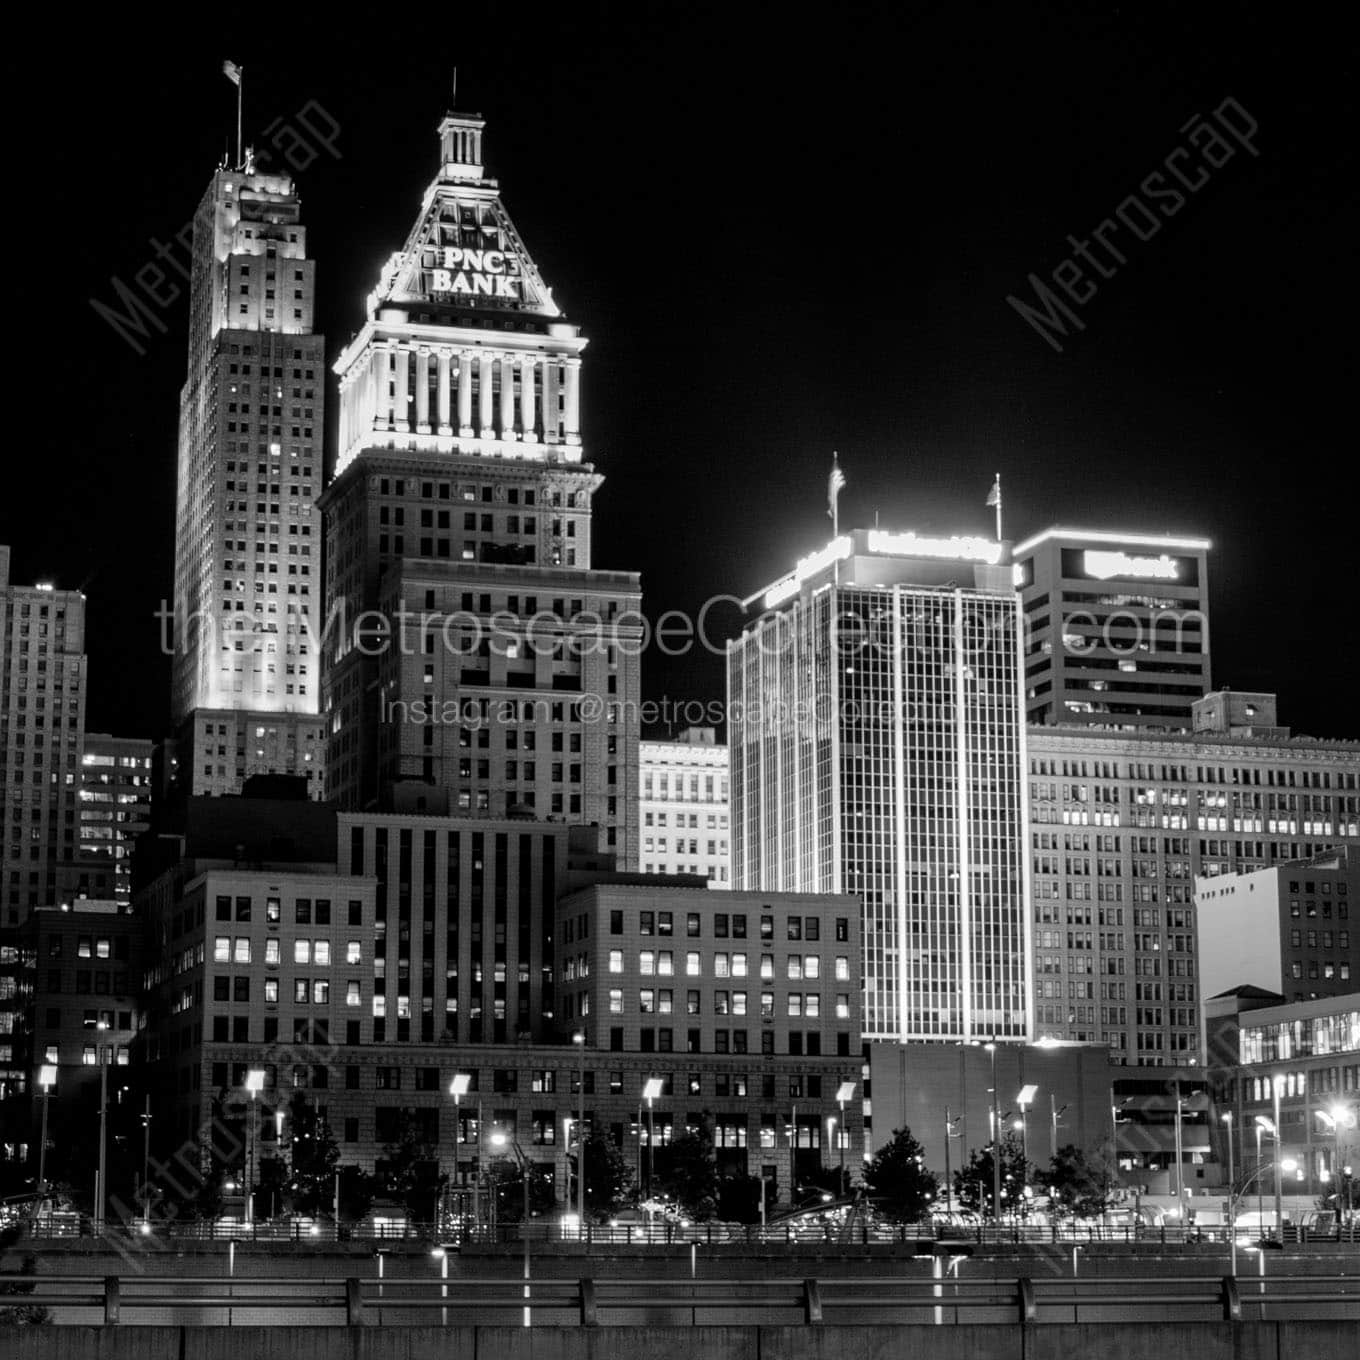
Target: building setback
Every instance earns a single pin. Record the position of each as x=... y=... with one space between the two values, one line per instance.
x=474 y=649
x=247 y=579
x=1116 y=628
x=42 y=724
x=878 y=749
x=683 y=809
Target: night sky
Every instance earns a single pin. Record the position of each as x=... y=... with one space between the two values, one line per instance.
x=782 y=235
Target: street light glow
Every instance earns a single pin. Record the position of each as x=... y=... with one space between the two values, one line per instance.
x=255 y=1080
x=461 y=1084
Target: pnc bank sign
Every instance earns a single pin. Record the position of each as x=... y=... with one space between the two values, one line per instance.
x=461 y=272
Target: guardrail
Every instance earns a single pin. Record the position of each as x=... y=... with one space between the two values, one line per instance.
x=210 y=1301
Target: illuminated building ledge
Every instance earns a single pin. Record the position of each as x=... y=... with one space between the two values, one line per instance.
x=1124 y=540
x=459 y=445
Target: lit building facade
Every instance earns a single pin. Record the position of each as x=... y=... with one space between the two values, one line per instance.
x=247 y=589
x=463 y=498
x=684 y=809
x=115 y=808
x=1298 y=1063
x=877 y=742
x=1116 y=627
x=1122 y=826
x=42 y=723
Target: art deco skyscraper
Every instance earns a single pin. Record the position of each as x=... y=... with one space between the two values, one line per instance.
x=506 y=678
x=877 y=741
x=246 y=681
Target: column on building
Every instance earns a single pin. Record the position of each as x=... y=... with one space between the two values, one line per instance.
x=401 y=407
x=485 y=406
x=551 y=424
x=465 y=362
x=507 y=397
x=572 y=412
x=443 y=361
x=423 y=390
x=382 y=382
x=526 y=400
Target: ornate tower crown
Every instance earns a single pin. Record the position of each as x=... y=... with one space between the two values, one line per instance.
x=460 y=146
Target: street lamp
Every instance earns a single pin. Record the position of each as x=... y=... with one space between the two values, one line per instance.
x=996 y=1134
x=254 y=1085
x=504 y=1140
x=1025 y=1099
x=458 y=1088
x=101 y=1192
x=47 y=1079
x=1232 y=1194
x=844 y=1094
x=651 y=1091
x=1272 y=1127
x=1276 y=1084
x=1262 y=1124
x=579 y=1039
x=948 y=1179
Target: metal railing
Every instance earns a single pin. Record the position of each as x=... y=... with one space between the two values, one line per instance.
x=553 y=1232
x=203 y=1300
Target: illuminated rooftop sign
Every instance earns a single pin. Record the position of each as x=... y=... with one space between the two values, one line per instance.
x=1103 y=565
x=491 y=273
x=955 y=549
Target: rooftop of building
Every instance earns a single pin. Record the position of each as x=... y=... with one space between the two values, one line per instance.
x=1113 y=536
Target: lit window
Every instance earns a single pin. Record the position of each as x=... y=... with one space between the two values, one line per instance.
x=616 y=960
x=302 y=951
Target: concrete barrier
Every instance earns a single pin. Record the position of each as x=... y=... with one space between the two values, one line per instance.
x=1320 y=1340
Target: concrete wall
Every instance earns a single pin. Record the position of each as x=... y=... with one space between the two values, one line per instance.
x=1128 y=1341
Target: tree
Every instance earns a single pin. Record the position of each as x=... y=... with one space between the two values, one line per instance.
x=410 y=1170
x=609 y=1177
x=739 y=1199
x=973 y=1182
x=315 y=1158
x=898 y=1181
x=825 y=1179
x=505 y=1183
x=686 y=1172
x=1076 y=1184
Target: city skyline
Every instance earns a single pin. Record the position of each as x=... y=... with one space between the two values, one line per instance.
x=1163 y=388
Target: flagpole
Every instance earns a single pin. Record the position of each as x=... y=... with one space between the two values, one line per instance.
x=240 y=94
x=998 y=507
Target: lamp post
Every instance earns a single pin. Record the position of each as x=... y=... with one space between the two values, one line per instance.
x=844 y=1094
x=651 y=1091
x=579 y=1039
x=254 y=1085
x=1232 y=1195
x=442 y=1256
x=458 y=1088
x=1180 y=1185
x=1025 y=1099
x=47 y=1079
x=1261 y=1123
x=1276 y=1083
x=146 y=1159
x=101 y=1192
x=831 y=1139
x=949 y=1134
x=1054 y=1110
x=504 y=1140
x=996 y=1136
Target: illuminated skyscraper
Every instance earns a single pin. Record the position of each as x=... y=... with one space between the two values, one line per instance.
x=42 y=724
x=246 y=682
x=877 y=745
x=506 y=677
x=1117 y=628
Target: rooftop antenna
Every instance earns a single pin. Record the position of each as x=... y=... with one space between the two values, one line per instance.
x=454 y=105
x=994 y=500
